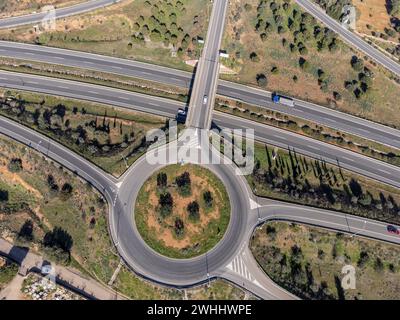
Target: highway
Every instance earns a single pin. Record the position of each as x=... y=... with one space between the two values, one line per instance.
x=59 y=13
x=204 y=89
x=349 y=36
x=355 y=162
x=304 y=110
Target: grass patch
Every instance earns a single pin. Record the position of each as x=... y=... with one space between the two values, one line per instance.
x=218 y=290
x=193 y=237
x=8 y=271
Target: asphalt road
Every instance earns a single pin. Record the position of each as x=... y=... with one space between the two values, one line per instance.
x=355 y=162
x=59 y=13
x=207 y=73
x=338 y=221
x=305 y=110
x=349 y=36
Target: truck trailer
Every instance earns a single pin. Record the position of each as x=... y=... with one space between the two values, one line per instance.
x=276 y=98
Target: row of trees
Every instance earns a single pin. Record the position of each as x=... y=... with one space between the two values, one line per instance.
x=314 y=182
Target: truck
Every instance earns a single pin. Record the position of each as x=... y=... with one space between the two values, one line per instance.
x=277 y=98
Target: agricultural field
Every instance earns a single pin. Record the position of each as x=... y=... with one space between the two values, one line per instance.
x=111 y=138
x=276 y=46
x=182 y=211
x=12 y=8
x=308 y=262
x=285 y=175
x=162 y=32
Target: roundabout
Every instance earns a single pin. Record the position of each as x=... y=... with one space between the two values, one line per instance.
x=149 y=263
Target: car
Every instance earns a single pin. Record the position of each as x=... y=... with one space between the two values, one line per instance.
x=181 y=116
x=393 y=229
x=205 y=99
x=182 y=112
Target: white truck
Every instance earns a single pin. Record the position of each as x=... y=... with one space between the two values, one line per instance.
x=276 y=98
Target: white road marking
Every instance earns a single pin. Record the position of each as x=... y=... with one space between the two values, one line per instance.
x=279 y=137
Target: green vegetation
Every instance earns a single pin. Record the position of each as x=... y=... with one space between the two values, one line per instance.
x=308 y=262
x=334 y=8
x=8 y=270
x=165 y=32
x=138 y=289
x=177 y=216
x=394 y=7
x=218 y=290
x=20 y=7
x=109 y=137
x=277 y=35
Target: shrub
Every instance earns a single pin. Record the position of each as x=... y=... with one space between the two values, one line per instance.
x=166 y=203
x=262 y=80
x=208 y=199
x=15 y=165
x=193 y=209
x=58 y=238
x=184 y=184
x=162 y=180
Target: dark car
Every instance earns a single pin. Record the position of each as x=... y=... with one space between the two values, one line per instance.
x=393 y=229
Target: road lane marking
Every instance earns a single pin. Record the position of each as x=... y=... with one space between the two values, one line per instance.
x=348 y=159
x=279 y=137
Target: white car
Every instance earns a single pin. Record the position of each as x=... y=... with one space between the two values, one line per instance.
x=205 y=99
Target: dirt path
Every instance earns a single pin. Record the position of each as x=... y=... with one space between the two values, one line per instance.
x=13 y=290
